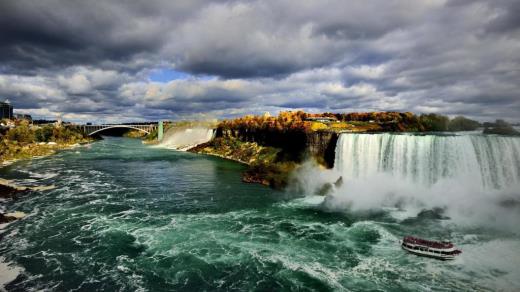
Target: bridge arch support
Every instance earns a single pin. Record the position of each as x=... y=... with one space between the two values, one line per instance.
x=94 y=129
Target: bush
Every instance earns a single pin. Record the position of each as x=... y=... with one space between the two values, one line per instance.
x=44 y=134
x=434 y=122
x=21 y=133
x=500 y=127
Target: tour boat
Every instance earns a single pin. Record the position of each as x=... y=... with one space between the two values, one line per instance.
x=443 y=250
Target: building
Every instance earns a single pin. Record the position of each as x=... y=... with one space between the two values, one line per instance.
x=23 y=117
x=6 y=110
x=321 y=119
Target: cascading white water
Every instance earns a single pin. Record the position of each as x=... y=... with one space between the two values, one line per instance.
x=186 y=138
x=492 y=162
x=474 y=179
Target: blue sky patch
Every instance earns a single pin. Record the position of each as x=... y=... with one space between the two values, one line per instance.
x=166 y=75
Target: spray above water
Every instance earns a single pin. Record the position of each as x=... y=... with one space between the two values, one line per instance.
x=185 y=138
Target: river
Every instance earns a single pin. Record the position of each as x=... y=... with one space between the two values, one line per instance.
x=130 y=217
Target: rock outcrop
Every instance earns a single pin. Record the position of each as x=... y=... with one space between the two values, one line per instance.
x=294 y=144
x=10 y=191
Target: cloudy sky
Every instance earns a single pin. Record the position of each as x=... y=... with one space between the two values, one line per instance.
x=109 y=61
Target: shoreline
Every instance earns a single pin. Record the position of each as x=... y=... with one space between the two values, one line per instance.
x=53 y=149
x=220 y=156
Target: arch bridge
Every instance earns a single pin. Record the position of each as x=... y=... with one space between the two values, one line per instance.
x=94 y=129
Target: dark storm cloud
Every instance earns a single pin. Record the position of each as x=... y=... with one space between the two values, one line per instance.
x=92 y=59
x=48 y=34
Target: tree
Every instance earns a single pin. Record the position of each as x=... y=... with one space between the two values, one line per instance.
x=461 y=123
x=21 y=133
x=44 y=134
x=434 y=122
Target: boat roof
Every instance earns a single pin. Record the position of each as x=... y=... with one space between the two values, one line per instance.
x=428 y=243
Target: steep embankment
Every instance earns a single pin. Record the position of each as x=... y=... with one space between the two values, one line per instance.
x=265 y=165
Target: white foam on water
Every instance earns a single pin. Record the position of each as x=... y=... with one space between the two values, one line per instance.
x=8 y=273
x=45 y=175
x=313 y=269
x=497 y=260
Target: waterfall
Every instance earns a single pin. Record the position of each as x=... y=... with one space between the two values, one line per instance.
x=186 y=138
x=490 y=162
x=472 y=179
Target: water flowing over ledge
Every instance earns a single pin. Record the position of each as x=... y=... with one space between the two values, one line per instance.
x=186 y=138
x=492 y=162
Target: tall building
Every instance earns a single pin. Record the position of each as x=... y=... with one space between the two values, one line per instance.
x=6 y=110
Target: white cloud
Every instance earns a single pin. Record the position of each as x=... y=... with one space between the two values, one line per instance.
x=75 y=84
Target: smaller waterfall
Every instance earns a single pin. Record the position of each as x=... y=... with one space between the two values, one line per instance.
x=186 y=138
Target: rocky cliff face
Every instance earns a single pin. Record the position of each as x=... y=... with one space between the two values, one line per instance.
x=296 y=145
x=322 y=146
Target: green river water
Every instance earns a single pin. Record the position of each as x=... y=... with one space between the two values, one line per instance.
x=130 y=217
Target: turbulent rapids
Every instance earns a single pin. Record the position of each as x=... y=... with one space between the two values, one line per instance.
x=129 y=217
x=492 y=162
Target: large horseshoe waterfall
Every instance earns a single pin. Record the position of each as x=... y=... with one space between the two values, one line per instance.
x=491 y=162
